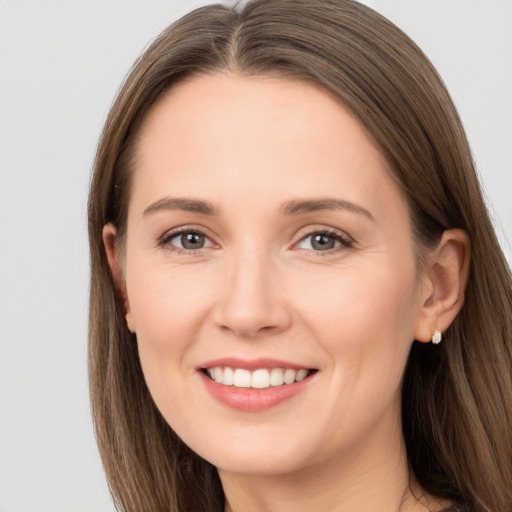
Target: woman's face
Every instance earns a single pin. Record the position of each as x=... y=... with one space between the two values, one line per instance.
x=267 y=246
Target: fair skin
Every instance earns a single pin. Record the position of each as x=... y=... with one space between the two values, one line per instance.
x=265 y=232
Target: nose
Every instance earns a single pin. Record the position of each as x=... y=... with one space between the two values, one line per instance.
x=252 y=300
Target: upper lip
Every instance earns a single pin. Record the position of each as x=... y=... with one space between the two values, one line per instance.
x=252 y=364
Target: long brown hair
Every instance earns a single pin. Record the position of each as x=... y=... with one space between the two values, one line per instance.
x=457 y=397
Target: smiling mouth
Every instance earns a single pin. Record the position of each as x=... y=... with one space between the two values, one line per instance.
x=260 y=378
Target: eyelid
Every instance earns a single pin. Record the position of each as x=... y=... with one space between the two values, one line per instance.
x=164 y=240
x=345 y=240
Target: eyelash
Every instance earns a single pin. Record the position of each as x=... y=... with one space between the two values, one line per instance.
x=165 y=240
x=344 y=241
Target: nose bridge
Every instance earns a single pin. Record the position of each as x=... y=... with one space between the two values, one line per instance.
x=252 y=301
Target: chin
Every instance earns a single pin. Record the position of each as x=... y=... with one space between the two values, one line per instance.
x=257 y=456
x=256 y=465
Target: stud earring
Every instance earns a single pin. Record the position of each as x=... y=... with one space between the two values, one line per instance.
x=437 y=337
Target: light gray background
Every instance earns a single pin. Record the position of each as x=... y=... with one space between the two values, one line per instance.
x=61 y=62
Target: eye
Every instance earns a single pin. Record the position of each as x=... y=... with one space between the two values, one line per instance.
x=186 y=240
x=323 y=241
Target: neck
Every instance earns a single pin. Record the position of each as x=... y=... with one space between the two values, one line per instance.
x=371 y=477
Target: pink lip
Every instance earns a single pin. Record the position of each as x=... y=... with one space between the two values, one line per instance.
x=250 y=399
x=253 y=364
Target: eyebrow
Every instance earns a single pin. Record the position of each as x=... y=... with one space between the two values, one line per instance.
x=297 y=207
x=184 y=204
x=293 y=207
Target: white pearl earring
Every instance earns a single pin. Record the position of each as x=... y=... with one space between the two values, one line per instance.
x=437 y=337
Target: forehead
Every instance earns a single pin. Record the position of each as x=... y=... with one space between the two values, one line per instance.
x=224 y=135
x=283 y=106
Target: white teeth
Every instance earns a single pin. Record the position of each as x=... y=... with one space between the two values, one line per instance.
x=242 y=378
x=301 y=375
x=276 y=377
x=261 y=378
x=229 y=377
x=289 y=376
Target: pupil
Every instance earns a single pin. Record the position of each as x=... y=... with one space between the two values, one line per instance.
x=323 y=242
x=192 y=240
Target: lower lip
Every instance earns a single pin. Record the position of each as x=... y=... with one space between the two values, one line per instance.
x=251 y=399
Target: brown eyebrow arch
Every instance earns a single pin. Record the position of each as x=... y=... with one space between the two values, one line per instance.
x=178 y=203
x=298 y=206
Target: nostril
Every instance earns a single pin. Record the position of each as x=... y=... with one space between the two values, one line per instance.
x=252 y=304
x=249 y=330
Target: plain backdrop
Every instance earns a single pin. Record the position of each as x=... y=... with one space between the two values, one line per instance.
x=61 y=63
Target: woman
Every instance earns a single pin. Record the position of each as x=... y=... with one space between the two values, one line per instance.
x=297 y=297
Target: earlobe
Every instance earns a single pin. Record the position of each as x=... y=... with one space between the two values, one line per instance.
x=110 y=242
x=445 y=284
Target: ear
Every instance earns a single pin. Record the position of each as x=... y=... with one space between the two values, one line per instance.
x=110 y=241
x=444 y=284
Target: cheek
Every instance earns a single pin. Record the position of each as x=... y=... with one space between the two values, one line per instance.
x=364 y=319
x=169 y=309
x=168 y=306
x=371 y=298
